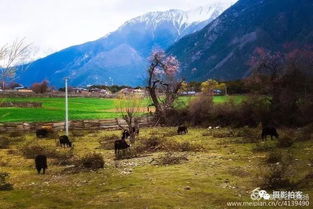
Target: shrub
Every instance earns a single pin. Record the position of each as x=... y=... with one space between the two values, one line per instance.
x=199 y=109
x=160 y=144
x=175 y=117
x=16 y=138
x=152 y=143
x=207 y=134
x=188 y=147
x=3 y=162
x=15 y=134
x=77 y=133
x=249 y=135
x=222 y=133
x=223 y=114
x=4 y=186
x=4 y=142
x=170 y=133
x=238 y=171
x=305 y=133
x=107 y=142
x=306 y=181
x=12 y=152
x=40 y=88
x=170 y=158
x=92 y=161
x=279 y=172
x=264 y=146
x=172 y=145
x=127 y=154
x=31 y=149
x=285 y=141
x=277 y=178
x=274 y=157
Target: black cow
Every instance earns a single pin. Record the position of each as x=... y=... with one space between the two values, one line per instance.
x=125 y=134
x=182 y=130
x=120 y=144
x=64 y=141
x=41 y=163
x=42 y=133
x=269 y=131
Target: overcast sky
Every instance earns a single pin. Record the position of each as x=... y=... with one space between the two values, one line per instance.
x=51 y=25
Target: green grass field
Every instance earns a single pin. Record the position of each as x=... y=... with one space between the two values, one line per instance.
x=79 y=108
x=227 y=169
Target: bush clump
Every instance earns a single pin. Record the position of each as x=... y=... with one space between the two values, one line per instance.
x=182 y=146
x=150 y=144
x=305 y=133
x=31 y=149
x=154 y=143
x=249 y=135
x=107 y=142
x=77 y=133
x=278 y=177
x=264 y=146
x=285 y=141
x=171 y=158
x=170 y=133
x=222 y=133
x=199 y=109
x=93 y=161
x=4 y=142
x=274 y=157
x=4 y=186
x=15 y=134
x=279 y=172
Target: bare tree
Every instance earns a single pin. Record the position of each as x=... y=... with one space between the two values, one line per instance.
x=11 y=56
x=163 y=83
x=40 y=88
x=284 y=81
x=131 y=108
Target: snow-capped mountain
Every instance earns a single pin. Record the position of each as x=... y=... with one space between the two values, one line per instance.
x=122 y=54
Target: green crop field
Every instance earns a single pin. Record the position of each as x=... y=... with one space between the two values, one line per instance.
x=79 y=108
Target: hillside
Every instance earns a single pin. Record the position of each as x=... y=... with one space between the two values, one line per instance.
x=121 y=56
x=222 y=49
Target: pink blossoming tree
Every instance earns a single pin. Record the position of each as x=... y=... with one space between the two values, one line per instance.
x=163 y=83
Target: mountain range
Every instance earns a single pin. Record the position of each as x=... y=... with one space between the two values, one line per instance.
x=121 y=56
x=215 y=41
x=222 y=49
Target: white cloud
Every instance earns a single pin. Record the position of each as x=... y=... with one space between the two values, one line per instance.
x=55 y=24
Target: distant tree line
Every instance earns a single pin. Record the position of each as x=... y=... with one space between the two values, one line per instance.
x=279 y=92
x=113 y=89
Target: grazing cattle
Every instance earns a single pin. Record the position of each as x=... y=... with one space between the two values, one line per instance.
x=182 y=130
x=44 y=132
x=120 y=144
x=64 y=141
x=125 y=134
x=41 y=163
x=269 y=131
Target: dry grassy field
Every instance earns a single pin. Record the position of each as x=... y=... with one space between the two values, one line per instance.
x=202 y=169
